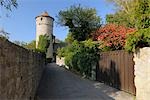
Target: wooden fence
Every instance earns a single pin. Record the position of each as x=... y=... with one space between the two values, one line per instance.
x=116 y=68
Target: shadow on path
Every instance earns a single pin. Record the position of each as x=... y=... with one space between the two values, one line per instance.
x=58 y=83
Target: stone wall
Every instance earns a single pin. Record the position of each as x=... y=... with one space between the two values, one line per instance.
x=20 y=71
x=142 y=73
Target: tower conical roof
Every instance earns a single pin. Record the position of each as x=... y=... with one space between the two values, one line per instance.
x=45 y=14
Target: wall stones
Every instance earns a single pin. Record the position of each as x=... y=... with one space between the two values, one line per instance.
x=20 y=71
x=142 y=73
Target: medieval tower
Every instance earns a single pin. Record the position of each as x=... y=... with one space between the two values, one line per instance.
x=44 y=26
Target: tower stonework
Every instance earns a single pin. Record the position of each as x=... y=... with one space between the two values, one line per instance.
x=44 y=26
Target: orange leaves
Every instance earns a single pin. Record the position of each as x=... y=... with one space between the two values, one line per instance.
x=112 y=36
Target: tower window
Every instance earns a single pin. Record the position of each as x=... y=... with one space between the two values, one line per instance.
x=41 y=19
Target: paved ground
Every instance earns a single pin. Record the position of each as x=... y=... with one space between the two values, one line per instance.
x=60 y=84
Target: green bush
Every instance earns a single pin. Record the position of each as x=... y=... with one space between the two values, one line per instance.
x=137 y=40
x=61 y=52
x=31 y=45
x=81 y=56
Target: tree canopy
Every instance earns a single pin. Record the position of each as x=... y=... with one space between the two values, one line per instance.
x=124 y=5
x=9 y=4
x=119 y=18
x=4 y=34
x=69 y=39
x=81 y=21
x=141 y=14
x=136 y=11
x=31 y=45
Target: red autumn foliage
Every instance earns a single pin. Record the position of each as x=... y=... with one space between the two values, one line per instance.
x=112 y=36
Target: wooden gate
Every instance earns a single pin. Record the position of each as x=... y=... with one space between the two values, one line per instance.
x=116 y=68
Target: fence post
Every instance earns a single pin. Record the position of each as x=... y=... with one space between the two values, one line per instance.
x=93 y=72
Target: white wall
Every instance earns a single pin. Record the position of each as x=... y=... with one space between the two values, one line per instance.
x=142 y=73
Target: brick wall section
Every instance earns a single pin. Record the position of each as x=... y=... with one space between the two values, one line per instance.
x=20 y=71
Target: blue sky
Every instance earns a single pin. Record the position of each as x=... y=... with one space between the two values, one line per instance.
x=21 y=23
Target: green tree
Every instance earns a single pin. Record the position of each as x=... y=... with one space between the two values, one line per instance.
x=43 y=43
x=119 y=18
x=141 y=14
x=31 y=45
x=9 y=4
x=138 y=11
x=141 y=17
x=125 y=5
x=69 y=39
x=4 y=34
x=81 y=21
x=138 y=39
x=20 y=43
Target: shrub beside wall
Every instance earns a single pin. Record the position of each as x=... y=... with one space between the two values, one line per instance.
x=20 y=71
x=81 y=56
x=138 y=39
